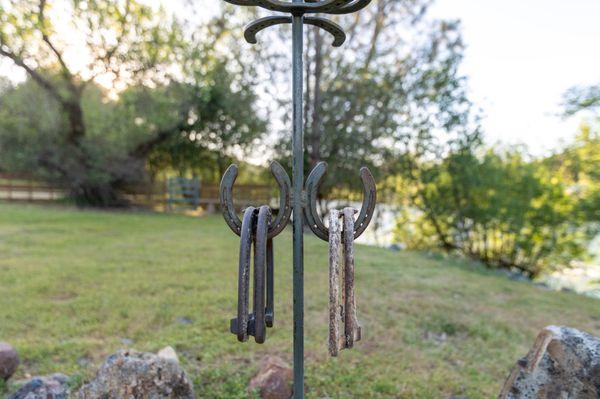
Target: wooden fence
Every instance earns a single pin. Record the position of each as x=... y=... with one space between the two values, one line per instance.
x=15 y=187
x=20 y=188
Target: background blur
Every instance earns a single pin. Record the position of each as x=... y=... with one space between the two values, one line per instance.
x=480 y=121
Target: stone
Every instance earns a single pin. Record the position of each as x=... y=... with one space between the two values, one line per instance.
x=128 y=374
x=274 y=380
x=55 y=386
x=9 y=361
x=168 y=353
x=564 y=363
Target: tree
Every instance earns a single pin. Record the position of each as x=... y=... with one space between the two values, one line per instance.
x=98 y=143
x=392 y=88
x=496 y=208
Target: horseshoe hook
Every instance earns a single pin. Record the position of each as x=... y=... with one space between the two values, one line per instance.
x=277 y=225
x=252 y=29
x=315 y=178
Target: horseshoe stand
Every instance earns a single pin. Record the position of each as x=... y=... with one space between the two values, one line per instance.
x=251 y=229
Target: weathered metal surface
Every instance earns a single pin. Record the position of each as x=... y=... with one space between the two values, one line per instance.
x=342 y=302
x=260 y=262
x=314 y=180
x=254 y=235
x=353 y=330
x=255 y=27
x=270 y=311
x=298 y=183
x=239 y=325
x=335 y=308
x=227 y=205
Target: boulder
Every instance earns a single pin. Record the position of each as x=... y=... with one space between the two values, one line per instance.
x=53 y=386
x=9 y=361
x=274 y=380
x=563 y=363
x=128 y=374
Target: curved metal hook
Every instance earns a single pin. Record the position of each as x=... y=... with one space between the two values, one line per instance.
x=339 y=37
x=228 y=208
x=263 y=23
x=315 y=223
x=247 y=3
x=350 y=8
x=252 y=29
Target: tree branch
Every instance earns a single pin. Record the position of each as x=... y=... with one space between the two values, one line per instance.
x=36 y=76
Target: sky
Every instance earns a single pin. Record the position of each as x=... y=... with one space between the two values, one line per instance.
x=521 y=56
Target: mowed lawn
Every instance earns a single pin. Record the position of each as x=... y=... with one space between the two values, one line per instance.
x=76 y=286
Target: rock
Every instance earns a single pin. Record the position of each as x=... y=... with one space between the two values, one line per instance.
x=128 y=374
x=563 y=363
x=274 y=380
x=9 y=361
x=53 y=386
x=168 y=353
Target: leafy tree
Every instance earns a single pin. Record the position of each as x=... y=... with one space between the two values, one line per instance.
x=497 y=208
x=392 y=88
x=168 y=98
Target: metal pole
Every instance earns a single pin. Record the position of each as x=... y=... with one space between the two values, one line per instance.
x=300 y=199
x=298 y=182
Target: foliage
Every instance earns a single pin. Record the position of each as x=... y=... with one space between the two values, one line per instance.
x=497 y=208
x=578 y=166
x=147 y=95
x=75 y=284
x=393 y=88
x=582 y=98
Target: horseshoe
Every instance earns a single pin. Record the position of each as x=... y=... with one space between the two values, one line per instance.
x=352 y=329
x=239 y=325
x=277 y=225
x=258 y=324
x=315 y=178
x=270 y=310
x=334 y=29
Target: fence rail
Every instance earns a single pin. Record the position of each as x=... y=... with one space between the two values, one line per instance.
x=20 y=188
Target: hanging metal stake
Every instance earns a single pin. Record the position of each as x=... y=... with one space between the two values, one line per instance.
x=298 y=9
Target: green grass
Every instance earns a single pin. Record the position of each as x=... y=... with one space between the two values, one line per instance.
x=75 y=285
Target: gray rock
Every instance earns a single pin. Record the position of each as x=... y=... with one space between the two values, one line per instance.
x=129 y=374
x=53 y=386
x=564 y=363
x=168 y=353
x=9 y=361
x=274 y=380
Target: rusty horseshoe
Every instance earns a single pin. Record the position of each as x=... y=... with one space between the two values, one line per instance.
x=315 y=178
x=277 y=225
x=254 y=234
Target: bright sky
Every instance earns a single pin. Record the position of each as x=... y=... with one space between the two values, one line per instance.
x=521 y=57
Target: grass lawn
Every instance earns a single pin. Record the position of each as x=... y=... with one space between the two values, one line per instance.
x=76 y=286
